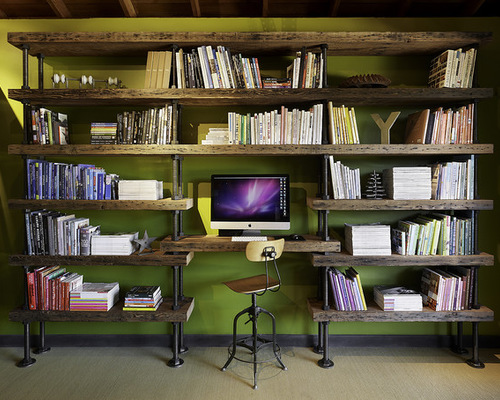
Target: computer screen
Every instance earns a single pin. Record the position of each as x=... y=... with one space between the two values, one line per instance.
x=245 y=204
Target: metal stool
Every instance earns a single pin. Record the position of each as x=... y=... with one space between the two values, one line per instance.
x=257 y=286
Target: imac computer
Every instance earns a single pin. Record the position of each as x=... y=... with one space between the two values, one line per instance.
x=243 y=205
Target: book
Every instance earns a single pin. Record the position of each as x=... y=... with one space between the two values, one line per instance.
x=397 y=298
x=416 y=127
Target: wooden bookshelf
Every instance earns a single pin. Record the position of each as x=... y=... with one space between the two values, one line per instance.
x=213 y=243
x=159 y=205
x=165 y=313
x=375 y=314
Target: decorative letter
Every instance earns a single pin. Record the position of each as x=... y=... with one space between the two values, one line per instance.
x=385 y=126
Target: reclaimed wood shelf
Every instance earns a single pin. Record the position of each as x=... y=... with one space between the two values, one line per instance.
x=394 y=205
x=158 y=258
x=213 y=243
x=165 y=313
x=161 y=205
x=391 y=96
x=262 y=43
x=375 y=314
x=344 y=259
x=385 y=150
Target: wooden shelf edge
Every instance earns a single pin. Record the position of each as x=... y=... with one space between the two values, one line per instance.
x=376 y=314
x=343 y=259
x=158 y=258
x=151 y=205
x=384 y=150
x=394 y=205
x=116 y=314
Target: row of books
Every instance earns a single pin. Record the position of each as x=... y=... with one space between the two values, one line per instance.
x=307 y=70
x=453 y=180
x=448 y=290
x=60 y=181
x=434 y=234
x=343 y=127
x=202 y=67
x=152 y=126
x=397 y=298
x=143 y=298
x=453 y=69
x=282 y=126
x=48 y=127
x=441 y=126
x=345 y=181
x=49 y=287
x=347 y=290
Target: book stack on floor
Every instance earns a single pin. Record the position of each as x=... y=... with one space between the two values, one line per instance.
x=408 y=183
x=217 y=136
x=368 y=240
x=450 y=290
x=103 y=133
x=120 y=244
x=94 y=296
x=453 y=69
x=347 y=290
x=397 y=298
x=143 y=298
x=147 y=189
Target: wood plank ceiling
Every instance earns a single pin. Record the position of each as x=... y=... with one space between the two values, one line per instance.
x=16 y=9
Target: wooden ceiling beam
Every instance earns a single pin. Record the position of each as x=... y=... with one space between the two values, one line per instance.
x=128 y=8
x=265 y=8
x=2 y=14
x=334 y=8
x=403 y=8
x=471 y=7
x=59 y=8
x=195 y=7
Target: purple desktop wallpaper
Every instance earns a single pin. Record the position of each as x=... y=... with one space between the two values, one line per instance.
x=247 y=199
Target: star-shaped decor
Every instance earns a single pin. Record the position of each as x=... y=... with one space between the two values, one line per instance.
x=145 y=243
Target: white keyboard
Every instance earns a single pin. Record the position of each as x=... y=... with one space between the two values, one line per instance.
x=248 y=238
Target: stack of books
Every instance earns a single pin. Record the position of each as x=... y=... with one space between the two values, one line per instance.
x=94 y=296
x=121 y=244
x=408 y=183
x=103 y=132
x=217 y=136
x=397 y=298
x=345 y=181
x=453 y=69
x=143 y=298
x=347 y=290
x=343 y=126
x=368 y=240
x=147 y=189
x=276 y=83
x=450 y=290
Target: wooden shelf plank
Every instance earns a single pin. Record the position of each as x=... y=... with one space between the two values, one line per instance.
x=378 y=150
x=116 y=314
x=212 y=243
x=257 y=43
x=394 y=205
x=343 y=259
x=163 y=204
x=158 y=258
x=263 y=97
x=376 y=314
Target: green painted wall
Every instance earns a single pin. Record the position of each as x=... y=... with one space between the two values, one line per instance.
x=215 y=304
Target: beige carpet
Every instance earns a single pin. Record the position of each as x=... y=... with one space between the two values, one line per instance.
x=141 y=373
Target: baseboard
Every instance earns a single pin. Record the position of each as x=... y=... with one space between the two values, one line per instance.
x=223 y=340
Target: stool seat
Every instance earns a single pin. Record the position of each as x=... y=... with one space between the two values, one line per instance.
x=252 y=284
